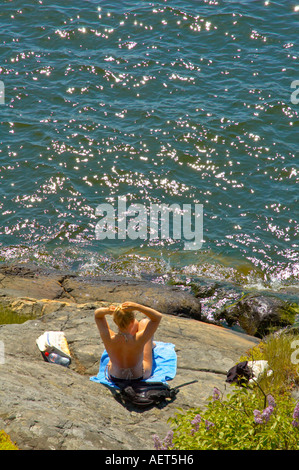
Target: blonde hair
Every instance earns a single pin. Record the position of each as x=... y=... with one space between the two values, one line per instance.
x=122 y=318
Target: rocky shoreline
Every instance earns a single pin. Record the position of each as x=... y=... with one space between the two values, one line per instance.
x=46 y=406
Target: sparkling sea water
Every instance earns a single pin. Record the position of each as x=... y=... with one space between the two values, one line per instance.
x=174 y=102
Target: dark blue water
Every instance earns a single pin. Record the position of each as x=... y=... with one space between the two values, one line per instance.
x=185 y=102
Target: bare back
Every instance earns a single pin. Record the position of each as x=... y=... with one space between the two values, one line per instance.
x=130 y=349
x=126 y=356
x=127 y=352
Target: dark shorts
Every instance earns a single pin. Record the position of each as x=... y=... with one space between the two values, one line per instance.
x=118 y=381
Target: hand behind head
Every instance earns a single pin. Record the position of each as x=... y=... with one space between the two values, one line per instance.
x=127 y=306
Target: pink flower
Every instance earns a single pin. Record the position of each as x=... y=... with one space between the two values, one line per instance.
x=295 y=421
x=208 y=424
x=216 y=394
x=264 y=416
x=165 y=444
x=271 y=401
x=258 y=417
x=195 y=421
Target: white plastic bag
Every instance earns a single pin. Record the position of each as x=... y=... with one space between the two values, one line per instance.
x=53 y=341
x=259 y=368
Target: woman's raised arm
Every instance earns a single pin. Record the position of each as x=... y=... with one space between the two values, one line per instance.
x=151 y=313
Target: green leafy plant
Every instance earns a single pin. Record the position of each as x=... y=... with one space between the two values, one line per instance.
x=245 y=420
x=278 y=350
x=9 y=316
x=262 y=416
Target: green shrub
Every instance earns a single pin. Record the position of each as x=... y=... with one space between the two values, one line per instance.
x=279 y=351
x=259 y=417
x=245 y=420
x=9 y=316
x=5 y=442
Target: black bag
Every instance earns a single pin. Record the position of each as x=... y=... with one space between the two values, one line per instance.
x=144 y=394
x=239 y=374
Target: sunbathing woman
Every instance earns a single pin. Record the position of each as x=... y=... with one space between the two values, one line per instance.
x=130 y=349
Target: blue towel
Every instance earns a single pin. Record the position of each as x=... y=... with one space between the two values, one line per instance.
x=164 y=365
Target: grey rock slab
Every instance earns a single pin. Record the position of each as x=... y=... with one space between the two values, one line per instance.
x=47 y=406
